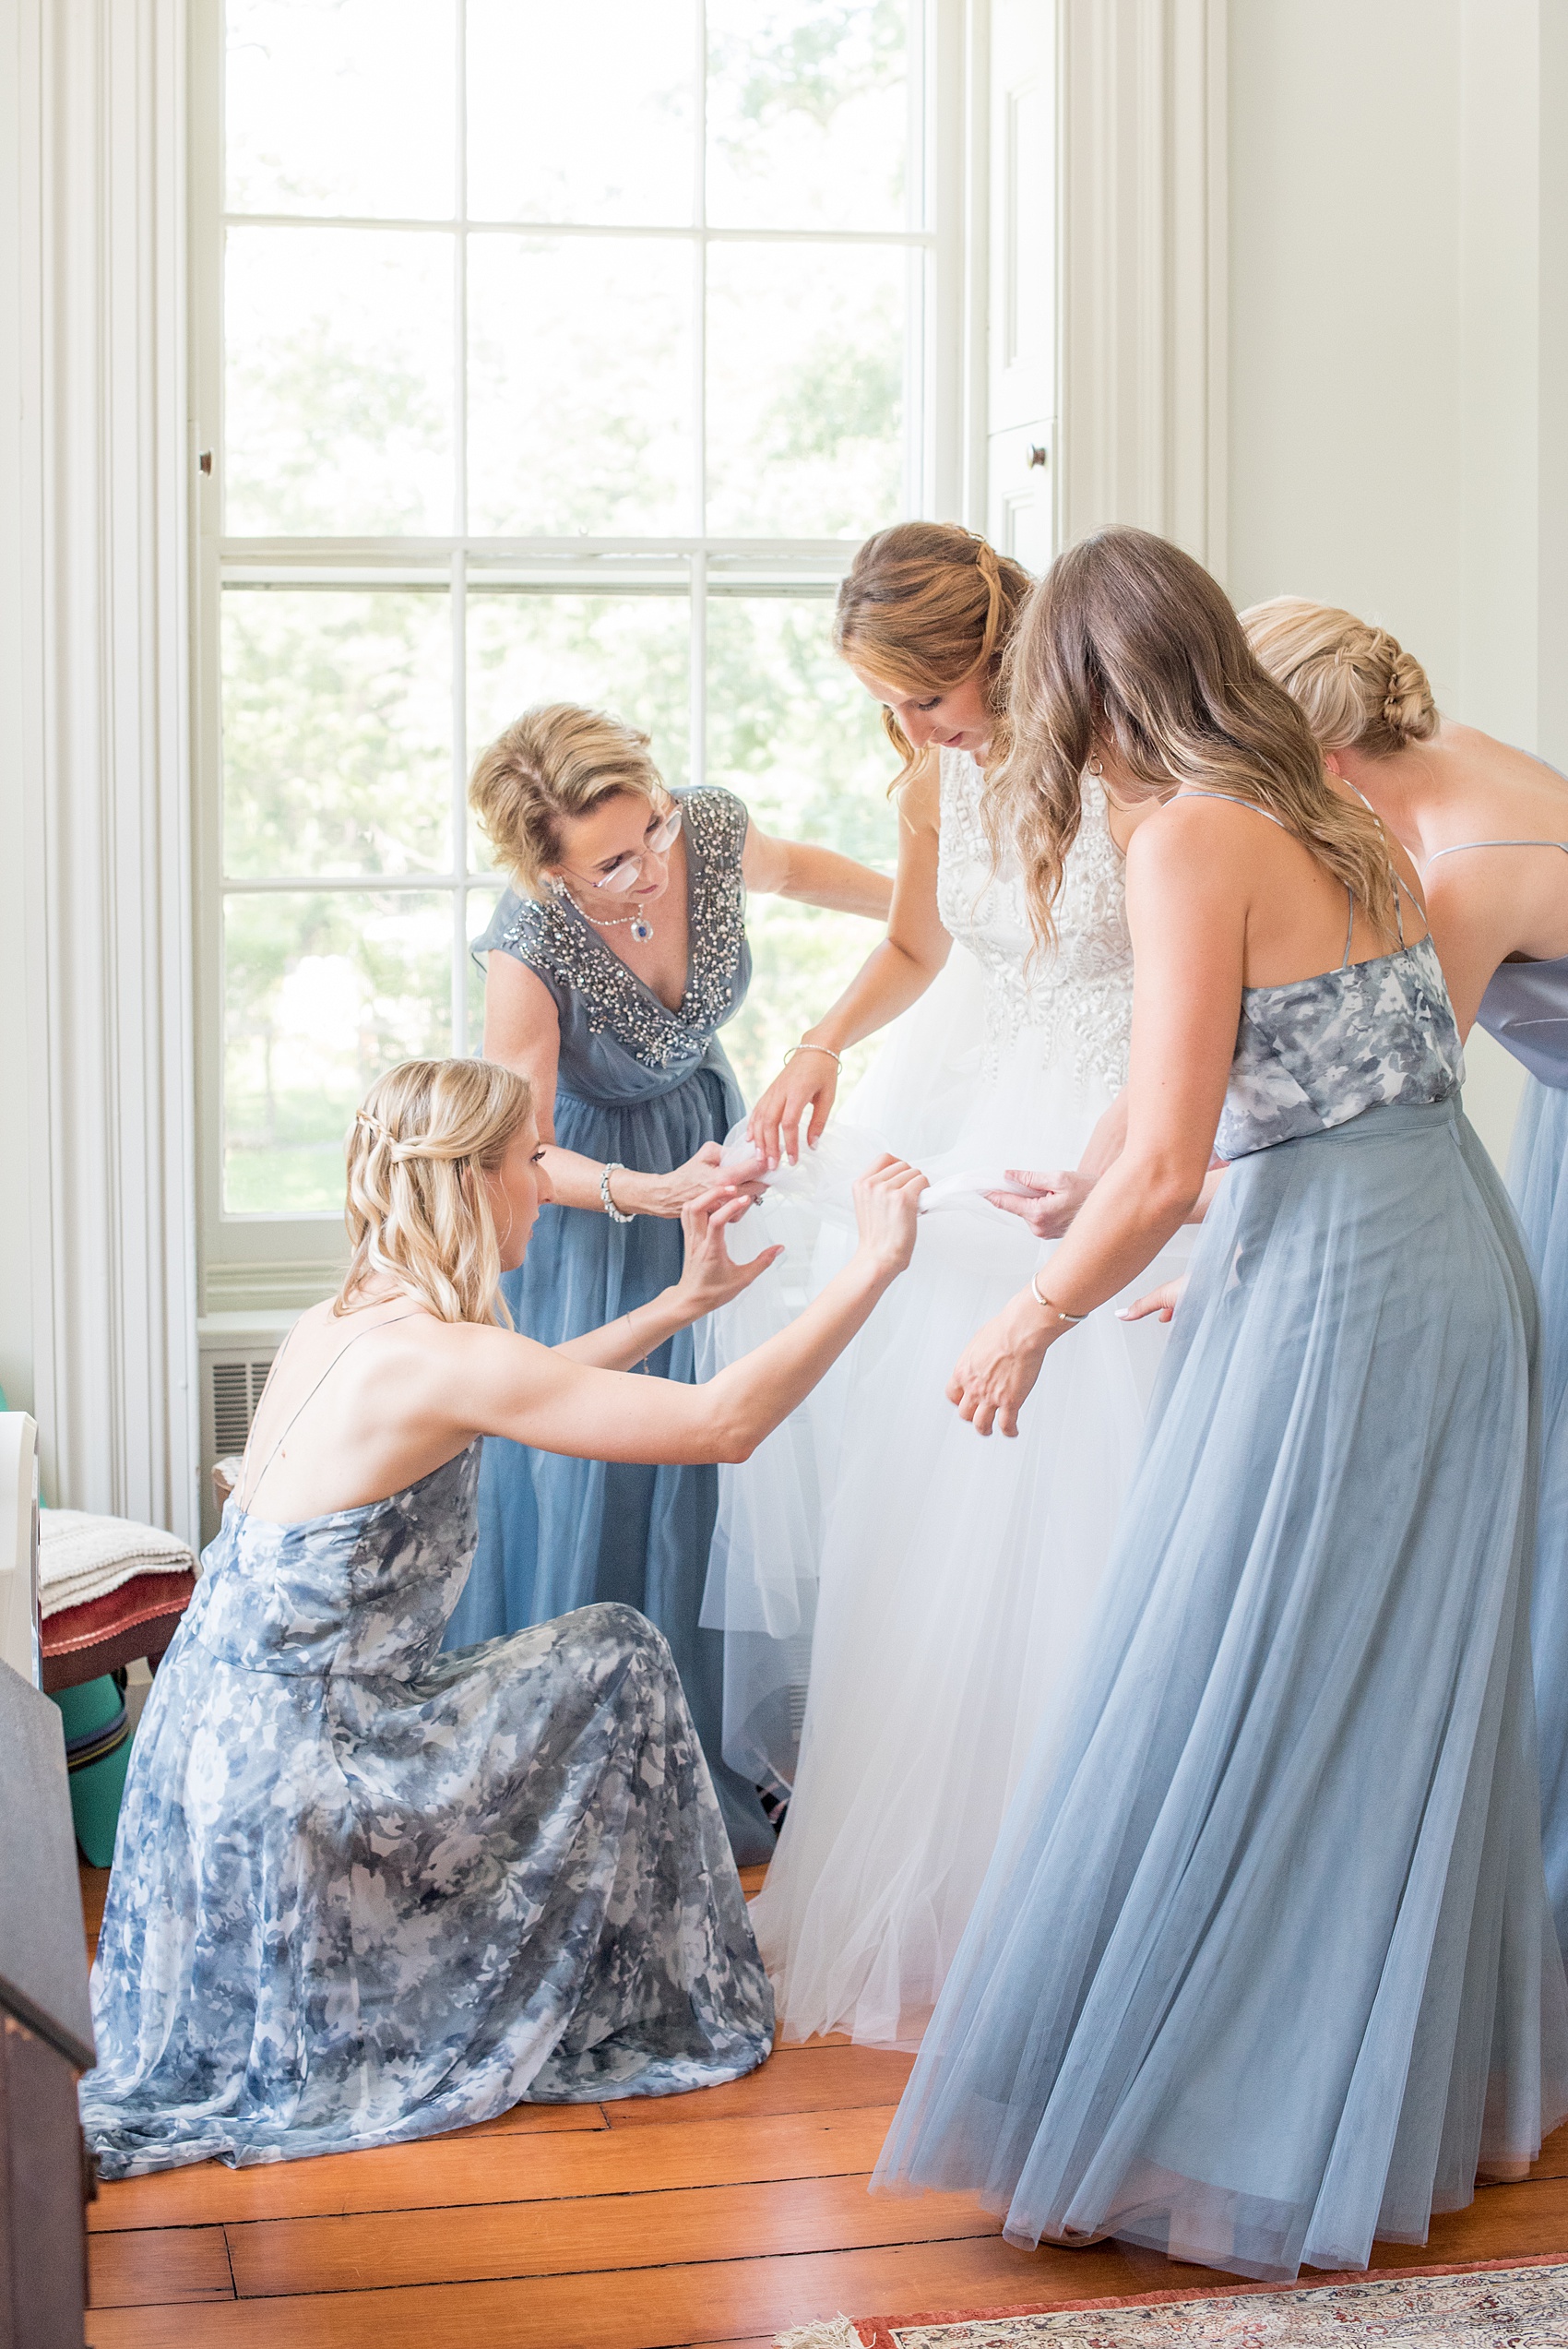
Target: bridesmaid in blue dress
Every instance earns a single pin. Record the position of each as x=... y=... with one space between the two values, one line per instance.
x=1487 y=827
x=363 y=1891
x=1264 y=1966
x=611 y=965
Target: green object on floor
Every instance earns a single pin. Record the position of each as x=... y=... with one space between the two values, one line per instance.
x=98 y=1754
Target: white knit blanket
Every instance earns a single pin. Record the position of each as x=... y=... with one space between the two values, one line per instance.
x=81 y=1557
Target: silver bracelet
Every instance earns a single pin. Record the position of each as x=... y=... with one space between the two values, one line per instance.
x=610 y=1209
x=804 y=1047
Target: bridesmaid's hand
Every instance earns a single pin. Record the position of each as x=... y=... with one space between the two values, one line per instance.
x=711 y=1276
x=997 y=1369
x=1053 y=1200
x=1163 y=1301
x=887 y=1206
x=809 y=1080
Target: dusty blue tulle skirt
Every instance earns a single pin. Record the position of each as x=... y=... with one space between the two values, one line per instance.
x=555 y=1534
x=1537 y=1177
x=1264 y=1966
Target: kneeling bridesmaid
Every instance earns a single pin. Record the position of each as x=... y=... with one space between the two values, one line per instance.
x=363 y=1891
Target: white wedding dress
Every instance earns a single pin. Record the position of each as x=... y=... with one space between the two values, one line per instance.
x=935 y=1580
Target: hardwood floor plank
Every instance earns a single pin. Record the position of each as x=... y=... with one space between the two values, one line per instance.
x=168 y=2263
x=281 y=2256
x=796 y=2079
x=635 y=2308
x=447 y=2172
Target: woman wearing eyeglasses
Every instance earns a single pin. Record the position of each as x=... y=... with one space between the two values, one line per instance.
x=612 y=961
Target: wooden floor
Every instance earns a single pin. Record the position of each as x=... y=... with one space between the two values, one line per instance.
x=718 y=2218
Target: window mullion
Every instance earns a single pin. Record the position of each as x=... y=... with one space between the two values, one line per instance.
x=459 y=587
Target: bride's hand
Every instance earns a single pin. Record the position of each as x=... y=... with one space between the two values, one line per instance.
x=1163 y=1301
x=1053 y=1200
x=711 y=1276
x=997 y=1369
x=808 y=1080
x=887 y=1206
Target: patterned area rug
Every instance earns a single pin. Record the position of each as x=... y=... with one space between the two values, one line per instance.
x=1522 y=2305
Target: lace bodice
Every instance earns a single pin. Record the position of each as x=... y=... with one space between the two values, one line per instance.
x=1076 y=995
x=1318 y=1052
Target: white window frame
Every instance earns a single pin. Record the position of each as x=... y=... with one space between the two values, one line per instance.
x=282 y=1261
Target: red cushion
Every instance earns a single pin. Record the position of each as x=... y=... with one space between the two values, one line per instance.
x=139 y=1619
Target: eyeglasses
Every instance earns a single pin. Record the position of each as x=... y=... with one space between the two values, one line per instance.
x=629 y=872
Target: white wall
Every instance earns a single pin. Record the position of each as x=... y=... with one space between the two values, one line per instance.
x=1398 y=337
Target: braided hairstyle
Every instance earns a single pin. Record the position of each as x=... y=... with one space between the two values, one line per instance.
x=1360 y=689
x=417 y=1211
x=924 y=606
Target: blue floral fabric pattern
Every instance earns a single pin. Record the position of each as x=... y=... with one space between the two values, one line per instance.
x=1317 y=1053
x=363 y=1891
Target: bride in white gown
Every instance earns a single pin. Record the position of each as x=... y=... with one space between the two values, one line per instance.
x=948 y=1576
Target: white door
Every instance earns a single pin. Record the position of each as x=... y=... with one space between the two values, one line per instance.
x=1022 y=373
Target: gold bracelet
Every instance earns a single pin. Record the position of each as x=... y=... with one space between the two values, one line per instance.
x=1072 y=1319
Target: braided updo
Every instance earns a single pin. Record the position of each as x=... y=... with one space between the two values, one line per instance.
x=924 y=606
x=417 y=1211
x=1360 y=689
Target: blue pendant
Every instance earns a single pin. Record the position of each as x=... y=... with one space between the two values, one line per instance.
x=642 y=931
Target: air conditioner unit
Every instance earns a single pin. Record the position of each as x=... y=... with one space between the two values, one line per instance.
x=232 y=1377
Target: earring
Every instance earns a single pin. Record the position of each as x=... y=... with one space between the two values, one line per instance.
x=1095 y=767
x=557 y=884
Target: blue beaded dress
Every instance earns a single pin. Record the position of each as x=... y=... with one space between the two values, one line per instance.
x=1263 y=1965
x=648 y=1086
x=364 y=1893
x=1525 y=1008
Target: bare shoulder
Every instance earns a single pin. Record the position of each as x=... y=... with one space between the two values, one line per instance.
x=1192 y=835
x=920 y=801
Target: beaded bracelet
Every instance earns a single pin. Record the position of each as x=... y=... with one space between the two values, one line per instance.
x=1050 y=1304
x=805 y=1047
x=610 y=1209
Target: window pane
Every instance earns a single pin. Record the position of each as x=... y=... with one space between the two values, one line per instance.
x=482 y=904
x=580 y=386
x=805 y=389
x=808 y=113
x=323 y=990
x=582 y=114
x=629 y=654
x=792 y=731
x=337 y=732
x=341 y=106
x=339 y=390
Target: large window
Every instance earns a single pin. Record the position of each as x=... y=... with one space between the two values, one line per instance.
x=547 y=353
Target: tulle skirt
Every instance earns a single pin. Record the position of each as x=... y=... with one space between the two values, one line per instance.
x=936 y=1581
x=1537 y=1177
x=1264 y=1966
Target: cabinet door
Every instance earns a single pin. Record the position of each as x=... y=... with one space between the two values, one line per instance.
x=1022 y=373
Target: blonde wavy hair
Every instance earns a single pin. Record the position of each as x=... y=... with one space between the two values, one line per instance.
x=1128 y=643
x=1359 y=687
x=555 y=761
x=418 y=1212
x=925 y=606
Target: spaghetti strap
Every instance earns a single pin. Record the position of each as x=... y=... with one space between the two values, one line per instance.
x=1460 y=847
x=244 y=1505
x=1351 y=926
x=1233 y=799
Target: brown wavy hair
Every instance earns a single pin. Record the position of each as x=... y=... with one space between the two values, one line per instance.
x=924 y=605
x=1359 y=687
x=417 y=1210
x=1128 y=643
